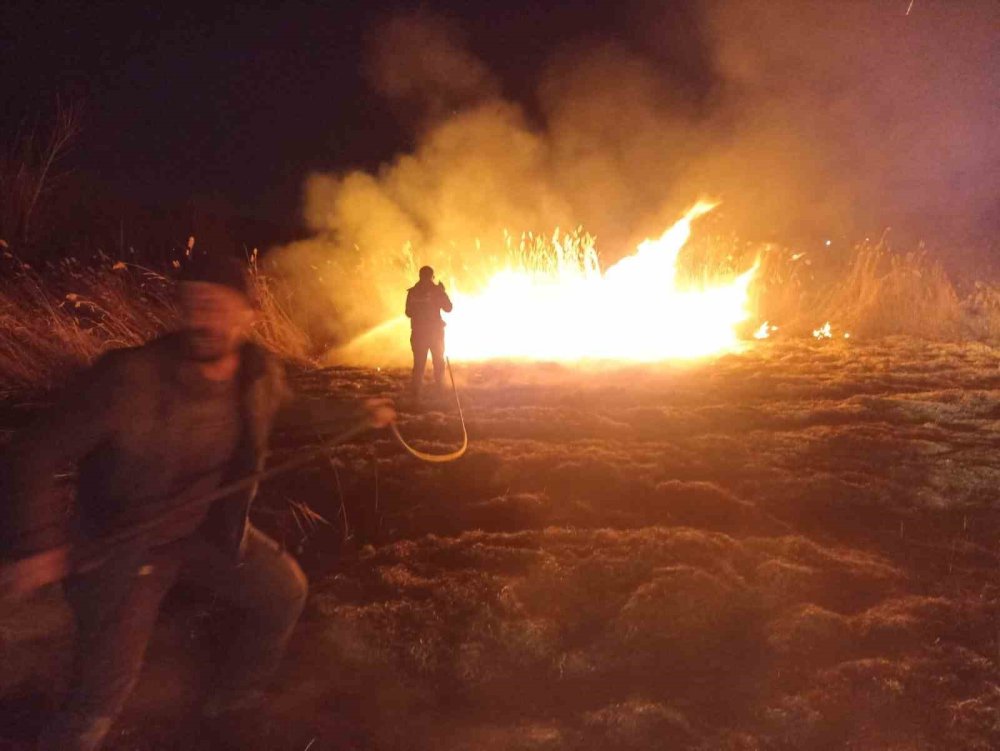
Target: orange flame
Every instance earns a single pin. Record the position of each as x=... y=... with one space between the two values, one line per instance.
x=636 y=310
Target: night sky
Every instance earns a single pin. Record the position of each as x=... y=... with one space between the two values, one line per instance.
x=201 y=99
x=238 y=102
x=234 y=104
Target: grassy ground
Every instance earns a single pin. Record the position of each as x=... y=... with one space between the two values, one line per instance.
x=792 y=548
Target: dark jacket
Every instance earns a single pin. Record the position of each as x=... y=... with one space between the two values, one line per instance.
x=424 y=303
x=109 y=425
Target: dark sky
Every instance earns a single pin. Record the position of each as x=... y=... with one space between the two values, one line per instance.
x=201 y=99
x=240 y=101
x=235 y=104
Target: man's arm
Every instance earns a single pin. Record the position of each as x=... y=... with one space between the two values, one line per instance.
x=445 y=300
x=79 y=420
x=409 y=303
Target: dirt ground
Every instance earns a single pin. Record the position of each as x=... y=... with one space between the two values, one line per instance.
x=791 y=548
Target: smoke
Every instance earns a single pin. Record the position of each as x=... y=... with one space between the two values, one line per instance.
x=812 y=119
x=475 y=175
x=422 y=63
x=857 y=115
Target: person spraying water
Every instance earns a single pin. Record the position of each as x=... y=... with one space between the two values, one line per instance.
x=424 y=302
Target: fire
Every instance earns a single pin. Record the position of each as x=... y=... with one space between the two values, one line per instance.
x=823 y=332
x=765 y=330
x=635 y=310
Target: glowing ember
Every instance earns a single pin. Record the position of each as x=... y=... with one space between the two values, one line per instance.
x=635 y=310
x=823 y=332
x=764 y=331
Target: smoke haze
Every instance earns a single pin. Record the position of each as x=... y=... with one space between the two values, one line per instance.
x=808 y=119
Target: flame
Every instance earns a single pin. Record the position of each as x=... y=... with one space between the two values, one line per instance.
x=635 y=310
x=765 y=330
x=823 y=332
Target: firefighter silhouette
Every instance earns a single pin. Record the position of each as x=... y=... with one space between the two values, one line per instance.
x=424 y=302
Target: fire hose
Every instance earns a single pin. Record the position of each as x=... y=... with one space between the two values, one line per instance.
x=87 y=555
x=84 y=557
x=439 y=458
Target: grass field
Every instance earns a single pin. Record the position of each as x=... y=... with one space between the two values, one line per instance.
x=791 y=548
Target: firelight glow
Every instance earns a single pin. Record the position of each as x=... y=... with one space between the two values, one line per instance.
x=636 y=310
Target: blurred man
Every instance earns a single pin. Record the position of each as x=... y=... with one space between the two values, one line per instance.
x=151 y=430
x=424 y=302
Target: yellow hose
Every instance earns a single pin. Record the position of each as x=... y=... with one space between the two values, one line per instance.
x=439 y=458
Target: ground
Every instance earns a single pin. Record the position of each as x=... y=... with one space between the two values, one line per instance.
x=790 y=548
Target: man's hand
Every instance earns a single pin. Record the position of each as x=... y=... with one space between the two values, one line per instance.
x=18 y=579
x=381 y=412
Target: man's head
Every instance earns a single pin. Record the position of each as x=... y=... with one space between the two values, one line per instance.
x=426 y=274
x=216 y=308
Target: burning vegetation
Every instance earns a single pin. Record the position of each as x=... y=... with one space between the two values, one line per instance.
x=550 y=300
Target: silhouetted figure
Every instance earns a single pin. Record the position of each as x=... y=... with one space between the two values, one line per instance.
x=147 y=428
x=424 y=302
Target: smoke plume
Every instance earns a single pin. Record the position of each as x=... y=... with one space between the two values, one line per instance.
x=812 y=119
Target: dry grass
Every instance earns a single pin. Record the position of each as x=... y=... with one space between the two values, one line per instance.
x=276 y=328
x=57 y=318
x=789 y=548
x=869 y=289
x=766 y=552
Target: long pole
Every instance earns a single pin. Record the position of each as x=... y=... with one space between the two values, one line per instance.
x=91 y=554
